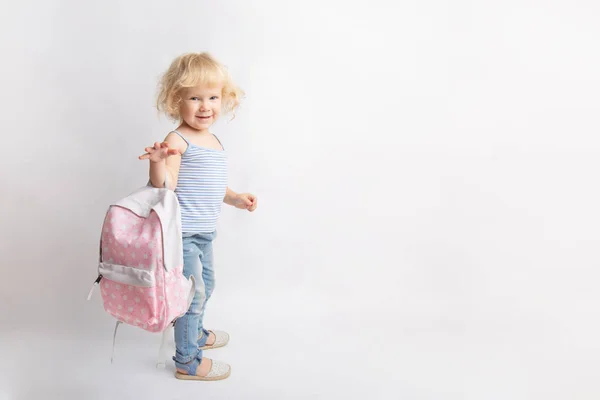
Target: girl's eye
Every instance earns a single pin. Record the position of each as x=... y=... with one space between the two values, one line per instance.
x=198 y=98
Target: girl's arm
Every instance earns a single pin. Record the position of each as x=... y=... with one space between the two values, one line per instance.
x=230 y=197
x=165 y=160
x=244 y=201
x=164 y=168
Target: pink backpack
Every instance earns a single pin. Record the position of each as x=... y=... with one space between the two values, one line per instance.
x=141 y=261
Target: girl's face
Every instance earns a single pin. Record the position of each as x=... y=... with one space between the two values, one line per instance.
x=200 y=106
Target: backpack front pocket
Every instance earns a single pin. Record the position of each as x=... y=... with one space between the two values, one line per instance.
x=127 y=275
x=131 y=295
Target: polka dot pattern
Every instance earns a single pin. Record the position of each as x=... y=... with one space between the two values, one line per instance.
x=136 y=242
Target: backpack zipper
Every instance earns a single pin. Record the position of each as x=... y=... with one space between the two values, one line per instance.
x=96 y=282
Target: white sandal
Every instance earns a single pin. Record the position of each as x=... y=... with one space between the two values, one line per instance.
x=218 y=371
x=221 y=339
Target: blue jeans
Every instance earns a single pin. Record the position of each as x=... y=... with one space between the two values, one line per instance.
x=197 y=261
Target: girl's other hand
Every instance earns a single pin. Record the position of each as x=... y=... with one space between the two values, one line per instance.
x=159 y=152
x=246 y=201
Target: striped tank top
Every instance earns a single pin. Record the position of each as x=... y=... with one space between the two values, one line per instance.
x=201 y=187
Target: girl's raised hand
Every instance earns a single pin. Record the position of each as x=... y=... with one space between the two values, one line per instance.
x=158 y=153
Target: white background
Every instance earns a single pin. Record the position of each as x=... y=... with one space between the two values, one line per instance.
x=428 y=199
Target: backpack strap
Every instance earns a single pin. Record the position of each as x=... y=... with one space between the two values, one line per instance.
x=161 y=362
x=112 y=355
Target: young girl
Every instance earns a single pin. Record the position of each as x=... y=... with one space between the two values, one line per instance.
x=195 y=91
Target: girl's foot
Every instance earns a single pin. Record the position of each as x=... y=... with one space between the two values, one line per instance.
x=215 y=340
x=207 y=370
x=211 y=338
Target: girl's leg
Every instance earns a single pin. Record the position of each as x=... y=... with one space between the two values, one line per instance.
x=188 y=356
x=186 y=327
x=208 y=277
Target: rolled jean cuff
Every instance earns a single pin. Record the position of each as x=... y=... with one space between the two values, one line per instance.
x=181 y=359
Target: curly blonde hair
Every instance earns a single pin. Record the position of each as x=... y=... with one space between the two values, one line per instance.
x=192 y=69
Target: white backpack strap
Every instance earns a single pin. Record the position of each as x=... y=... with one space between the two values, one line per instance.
x=168 y=211
x=161 y=362
x=112 y=355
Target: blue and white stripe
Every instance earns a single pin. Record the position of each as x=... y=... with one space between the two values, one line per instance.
x=201 y=187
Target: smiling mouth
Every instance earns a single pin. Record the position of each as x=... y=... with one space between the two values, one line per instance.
x=204 y=117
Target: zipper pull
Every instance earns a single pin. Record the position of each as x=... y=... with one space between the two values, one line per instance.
x=96 y=282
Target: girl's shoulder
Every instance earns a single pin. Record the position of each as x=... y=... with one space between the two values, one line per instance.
x=175 y=141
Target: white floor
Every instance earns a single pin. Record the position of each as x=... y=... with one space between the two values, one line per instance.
x=312 y=355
